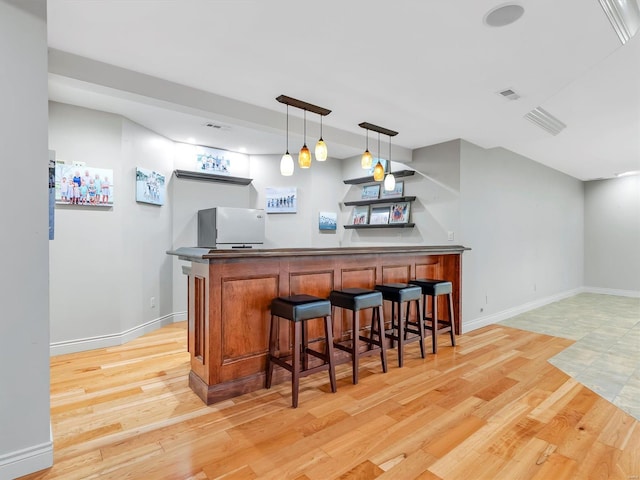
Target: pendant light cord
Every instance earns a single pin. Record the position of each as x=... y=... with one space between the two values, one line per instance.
x=389 y=154
x=305 y=127
x=287 y=129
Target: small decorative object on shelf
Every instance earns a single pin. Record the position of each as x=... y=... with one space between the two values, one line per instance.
x=379 y=216
x=371 y=192
x=361 y=215
x=400 y=212
x=398 y=191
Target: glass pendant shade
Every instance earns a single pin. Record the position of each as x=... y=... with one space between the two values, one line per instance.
x=367 y=159
x=390 y=182
x=304 y=157
x=286 y=165
x=378 y=172
x=321 y=150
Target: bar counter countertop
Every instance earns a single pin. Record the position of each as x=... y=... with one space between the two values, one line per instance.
x=230 y=292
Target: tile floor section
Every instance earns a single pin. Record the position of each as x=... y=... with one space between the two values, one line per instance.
x=606 y=355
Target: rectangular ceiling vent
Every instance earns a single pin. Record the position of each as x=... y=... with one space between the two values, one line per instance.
x=217 y=126
x=510 y=94
x=545 y=120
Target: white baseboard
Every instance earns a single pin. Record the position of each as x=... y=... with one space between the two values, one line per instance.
x=480 y=322
x=613 y=291
x=113 y=339
x=28 y=460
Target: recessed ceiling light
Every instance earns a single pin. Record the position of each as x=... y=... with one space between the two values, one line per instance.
x=242 y=150
x=628 y=174
x=503 y=15
x=191 y=140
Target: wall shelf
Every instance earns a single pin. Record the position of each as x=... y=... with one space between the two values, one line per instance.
x=379 y=200
x=384 y=225
x=212 y=177
x=398 y=174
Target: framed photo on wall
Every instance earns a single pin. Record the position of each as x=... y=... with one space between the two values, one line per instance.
x=327 y=220
x=281 y=200
x=400 y=212
x=84 y=186
x=150 y=186
x=379 y=216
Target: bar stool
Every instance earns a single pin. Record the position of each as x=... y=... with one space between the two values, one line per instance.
x=433 y=288
x=298 y=309
x=399 y=294
x=356 y=299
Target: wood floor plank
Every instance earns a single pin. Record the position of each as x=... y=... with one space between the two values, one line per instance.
x=490 y=408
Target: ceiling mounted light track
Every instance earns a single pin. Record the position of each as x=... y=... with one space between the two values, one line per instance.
x=304 y=157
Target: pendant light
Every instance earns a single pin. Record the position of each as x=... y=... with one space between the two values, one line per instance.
x=286 y=162
x=390 y=180
x=378 y=170
x=321 y=147
x=304 y=156
x=367 y=159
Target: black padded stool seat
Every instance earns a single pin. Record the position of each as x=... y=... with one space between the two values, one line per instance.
x=298 y=309
x=433 y=288
x=356 y=299
x=399 y=294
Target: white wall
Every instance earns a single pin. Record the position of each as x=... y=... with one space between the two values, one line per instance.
x=25 y=441
x=612 y=235
x=524 y=223
x=107 y=263
x=318 y=189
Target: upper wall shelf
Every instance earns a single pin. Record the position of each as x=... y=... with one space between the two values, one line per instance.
x=398 y=174
x=212 y=177
x=380 y=200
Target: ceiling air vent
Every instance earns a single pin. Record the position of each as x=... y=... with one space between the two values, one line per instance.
x=217 y=126
x=510 y=94
x=545 y=120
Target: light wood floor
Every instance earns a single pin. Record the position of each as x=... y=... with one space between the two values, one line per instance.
x=491 y=408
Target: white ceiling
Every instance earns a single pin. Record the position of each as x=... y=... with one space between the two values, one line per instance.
x=428 y=69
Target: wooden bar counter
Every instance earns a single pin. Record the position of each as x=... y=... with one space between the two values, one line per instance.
x=230 y=293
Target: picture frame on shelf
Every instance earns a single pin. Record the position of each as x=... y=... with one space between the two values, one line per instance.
x=360 y=215
x=371 y=192
x=400 y=212
x=379 y=216
x=396 y=192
